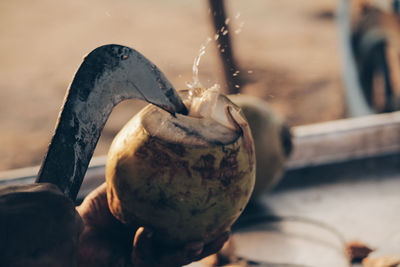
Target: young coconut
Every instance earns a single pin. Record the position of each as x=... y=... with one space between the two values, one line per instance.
x=187 y=177
x=271 y=137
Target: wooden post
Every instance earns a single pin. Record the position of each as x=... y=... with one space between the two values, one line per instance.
x=231 y=70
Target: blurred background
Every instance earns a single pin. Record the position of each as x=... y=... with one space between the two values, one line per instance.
x=288 y=52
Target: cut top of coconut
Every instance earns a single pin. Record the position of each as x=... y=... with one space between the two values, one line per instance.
x=208 y=122
x=205 y=103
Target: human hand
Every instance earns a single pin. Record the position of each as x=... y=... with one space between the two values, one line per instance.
x=148 y=253
x=39 y=226
x=107 y=242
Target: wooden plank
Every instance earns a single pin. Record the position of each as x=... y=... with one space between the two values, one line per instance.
x=93 y=178
x=347 y=139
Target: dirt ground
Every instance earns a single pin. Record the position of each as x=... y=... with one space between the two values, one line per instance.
x=287 y=49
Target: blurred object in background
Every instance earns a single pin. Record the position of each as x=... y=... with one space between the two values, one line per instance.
x=375 y=44
x=272 y=139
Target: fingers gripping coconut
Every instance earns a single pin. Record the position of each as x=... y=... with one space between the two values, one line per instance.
x=187 y=177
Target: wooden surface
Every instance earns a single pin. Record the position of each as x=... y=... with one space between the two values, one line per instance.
x=359 y=199
x=347 y=139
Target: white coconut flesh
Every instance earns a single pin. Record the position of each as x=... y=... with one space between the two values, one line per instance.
x=212 y=119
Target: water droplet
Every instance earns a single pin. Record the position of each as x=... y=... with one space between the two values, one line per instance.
x=225 y=32
x=249 y=71
x=227 y=21
x=239 y=29
x=196 y=83
x=237 y=15
x=216 y=37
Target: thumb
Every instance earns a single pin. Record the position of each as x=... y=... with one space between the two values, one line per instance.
x=142 y=247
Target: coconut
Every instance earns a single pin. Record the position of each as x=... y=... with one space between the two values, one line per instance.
x=186 y=177
x=271 y=137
